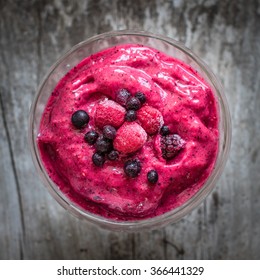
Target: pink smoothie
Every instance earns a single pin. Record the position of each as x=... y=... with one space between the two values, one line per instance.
x=187 y=106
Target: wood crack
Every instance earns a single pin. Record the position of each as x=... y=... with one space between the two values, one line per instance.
x=39 y=39
x=133 y=247
x=180 y=251
x=21 y=240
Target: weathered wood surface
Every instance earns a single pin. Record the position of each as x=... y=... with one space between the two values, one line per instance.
x=33 y=34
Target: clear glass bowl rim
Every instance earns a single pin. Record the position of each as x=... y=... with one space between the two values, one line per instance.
x=168 y=217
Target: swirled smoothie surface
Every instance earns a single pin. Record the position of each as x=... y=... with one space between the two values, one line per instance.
x=164 y=149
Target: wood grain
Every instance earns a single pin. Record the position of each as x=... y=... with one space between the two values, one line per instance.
x=225 y=34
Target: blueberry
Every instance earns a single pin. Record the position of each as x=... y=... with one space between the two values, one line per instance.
x=103 y=145
x=141 y=97
x=130 y=115
x=109 y=132
x=165 y=130
x=80 y=118
x=122 y=96
x=113 y=155
x=91 y=137
x=152 y=176
x=98 y=159
x=132 y=168
x=133 y=103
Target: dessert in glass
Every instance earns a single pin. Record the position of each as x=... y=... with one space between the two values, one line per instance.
x=130 y=130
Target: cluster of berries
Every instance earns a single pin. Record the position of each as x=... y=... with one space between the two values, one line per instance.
x=103 y=143
x=121 y=134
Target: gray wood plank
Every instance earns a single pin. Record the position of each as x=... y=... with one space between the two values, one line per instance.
x=11 y=229
x=228 y=224
x=49 y=231
x=224 y=33
x=18 y=62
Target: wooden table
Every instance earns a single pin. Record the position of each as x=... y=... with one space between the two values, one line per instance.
x=225 y=34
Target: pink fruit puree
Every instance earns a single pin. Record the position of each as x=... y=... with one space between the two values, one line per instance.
x=188 y=107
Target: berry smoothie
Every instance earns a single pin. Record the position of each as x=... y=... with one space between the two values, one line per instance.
x=130 y=133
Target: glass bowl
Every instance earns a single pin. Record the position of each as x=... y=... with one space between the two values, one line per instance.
x=96 y=44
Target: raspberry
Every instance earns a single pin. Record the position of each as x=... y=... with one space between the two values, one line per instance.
x=130 y=137
x=150 y=118
x=171 y=145
x=109 y=112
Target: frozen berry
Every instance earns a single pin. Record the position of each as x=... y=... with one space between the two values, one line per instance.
x=152 y=176
x=122 y=96
x=142 y=98
x=171 y=145
x=109 y=132
x=150 y=118
x=108 y=112
x=165 y=130
x=132 y=168
x=103 y=145
x=113 y=155
x=130 y=137
x=80 y=118
x=130 y=115
x=133 y=103
x=98 y=159
x=91 y=137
